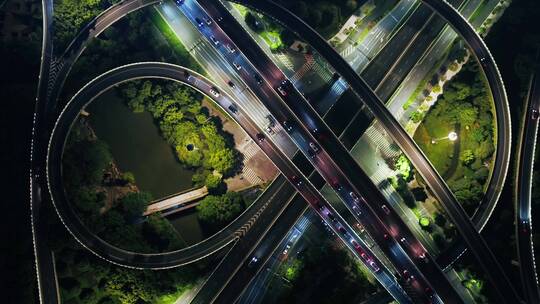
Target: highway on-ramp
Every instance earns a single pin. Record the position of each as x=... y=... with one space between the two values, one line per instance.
x=111 y=253
x=522 y=191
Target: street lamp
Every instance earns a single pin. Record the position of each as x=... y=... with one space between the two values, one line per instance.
x=452 y=136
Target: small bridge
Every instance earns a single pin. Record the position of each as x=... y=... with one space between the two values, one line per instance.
x=178 y=202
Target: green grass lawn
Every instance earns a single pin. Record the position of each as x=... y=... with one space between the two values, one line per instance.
x=441 y=152
x=174 y=42
x=272 y=38
x=241 y=9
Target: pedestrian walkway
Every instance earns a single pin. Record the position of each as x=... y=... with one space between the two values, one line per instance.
x=347 y=51
x=285 y=60
x=180 y=201
x=304 y=69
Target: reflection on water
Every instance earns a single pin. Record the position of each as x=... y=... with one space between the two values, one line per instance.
x=137 y=146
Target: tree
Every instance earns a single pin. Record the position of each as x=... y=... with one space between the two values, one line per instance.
x=217 y=211
x=467 y=114
x=128 y=177
x=161 y=234
x=135 y=203
x=467 y=157
x=417 y=116
x=439 y=240
x=485 y=150
x=481 y=174
x=213 y=182
x=440 y=220
x=253 y=23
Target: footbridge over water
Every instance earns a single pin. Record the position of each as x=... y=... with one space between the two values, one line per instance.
x=177 y=202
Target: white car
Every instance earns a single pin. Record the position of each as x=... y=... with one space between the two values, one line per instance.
x=374 y=266
x=214 y=92
x=237 y=66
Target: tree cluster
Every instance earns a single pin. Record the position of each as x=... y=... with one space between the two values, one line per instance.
x=465 y=105
x=85 y=162
x=314 y=282
x=196 y=137
x=84 y=278
x=215 y=212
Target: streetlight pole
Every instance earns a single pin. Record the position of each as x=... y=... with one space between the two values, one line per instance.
x=452 y=136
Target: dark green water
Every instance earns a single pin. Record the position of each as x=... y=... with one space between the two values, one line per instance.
x=137 y=146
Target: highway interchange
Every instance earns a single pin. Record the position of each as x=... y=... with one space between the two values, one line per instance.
x=310 y=134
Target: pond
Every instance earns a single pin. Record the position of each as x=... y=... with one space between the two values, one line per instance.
x=138 y=147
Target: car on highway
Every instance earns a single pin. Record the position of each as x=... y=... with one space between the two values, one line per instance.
x=237 y=66
x=314 y=147
x=360 y=227
x=282 y=91
x=356 y=210
x=180 y=2
x=355 y=244
x=253 y=261
x=233 y=108
x=296 y=180
x=258 y=78
x=231 y=48
x=188 y=76
x=214 y=40
x=287 y=126
x=286 y=250
x=534 y=114
x=337 y=186
x=342 y=230
x=214 y=91
x=231 y=84
x=331 y=216
x=208 y=20
x=199 y=22
x=385 y=209
x=260 y=137
x=524 y=226
x=374 y=266
x=407 y=275
x=354 y=197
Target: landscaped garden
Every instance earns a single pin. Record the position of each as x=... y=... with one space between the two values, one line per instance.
x=465 y=108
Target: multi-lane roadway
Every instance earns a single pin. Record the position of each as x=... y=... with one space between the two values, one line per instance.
x=468 y=232
x=115 y=14
x=314 y=138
